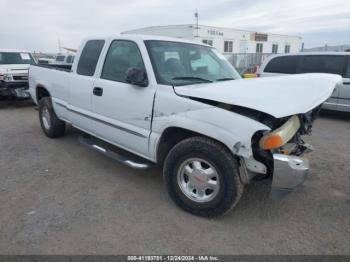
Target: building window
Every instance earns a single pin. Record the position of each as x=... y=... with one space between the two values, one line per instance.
x=228 y=46
x=259 y=47
x=207 y=42
x=287 y=49
x=274 y=48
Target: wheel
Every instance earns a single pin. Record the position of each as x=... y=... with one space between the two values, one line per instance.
x=201 y=176
x=51 y=125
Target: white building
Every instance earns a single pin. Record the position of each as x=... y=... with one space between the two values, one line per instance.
x=227 y=40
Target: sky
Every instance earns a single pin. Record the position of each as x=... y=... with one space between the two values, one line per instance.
x=36 y=25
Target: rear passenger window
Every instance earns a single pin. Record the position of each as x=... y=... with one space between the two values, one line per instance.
x=121 y=56
x=283 y=65
x=332 y=64
x=89 y=57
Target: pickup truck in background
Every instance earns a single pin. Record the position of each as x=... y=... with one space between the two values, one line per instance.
x=14 y=65
x=182 y=105
x=63 y=60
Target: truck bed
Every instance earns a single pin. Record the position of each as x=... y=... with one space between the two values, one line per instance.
x=66 y=68
x=56 y=79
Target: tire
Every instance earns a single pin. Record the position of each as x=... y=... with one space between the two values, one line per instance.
x=50 y=124
x=215 y=159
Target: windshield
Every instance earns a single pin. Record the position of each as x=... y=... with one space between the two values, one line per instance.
x=7 y=58
x=176 y=63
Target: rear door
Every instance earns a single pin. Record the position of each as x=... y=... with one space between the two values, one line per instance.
x=344 y=92
x=332 y=64
x=123 y=111
x=81 y=85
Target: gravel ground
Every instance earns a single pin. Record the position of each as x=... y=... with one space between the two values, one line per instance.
x=58 y=197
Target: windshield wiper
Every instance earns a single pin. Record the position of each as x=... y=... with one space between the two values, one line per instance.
x=225 y=79
x=192 y=78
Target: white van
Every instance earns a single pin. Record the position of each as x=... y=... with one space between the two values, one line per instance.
x=320 y=62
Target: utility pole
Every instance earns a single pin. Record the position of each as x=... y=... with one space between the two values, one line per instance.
x=59 y=45
x=196 y=16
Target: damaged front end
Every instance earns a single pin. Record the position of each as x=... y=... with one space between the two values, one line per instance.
x=282 y=151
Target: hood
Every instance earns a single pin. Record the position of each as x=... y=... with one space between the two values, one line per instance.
x=278 y=96
x=14 y=68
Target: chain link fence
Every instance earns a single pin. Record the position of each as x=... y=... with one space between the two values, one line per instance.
x=246 y=62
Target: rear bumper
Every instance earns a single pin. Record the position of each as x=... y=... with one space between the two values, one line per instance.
x=289 y=173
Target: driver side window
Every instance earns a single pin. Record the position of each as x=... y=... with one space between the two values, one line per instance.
x=121 y=56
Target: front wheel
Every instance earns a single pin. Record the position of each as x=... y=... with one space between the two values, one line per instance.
x=202 y=177
x=51 y=125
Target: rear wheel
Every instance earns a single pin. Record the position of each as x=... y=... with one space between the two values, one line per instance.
x=51 y=125
x=202 y=177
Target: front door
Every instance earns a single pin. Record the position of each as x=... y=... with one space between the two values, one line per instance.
x=243 y=47
x=122 y=111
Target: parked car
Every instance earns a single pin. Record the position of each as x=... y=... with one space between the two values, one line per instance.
x=182 y=105
x=14 y=65
x=63 y=59
x=45 y=61
x=322 y=62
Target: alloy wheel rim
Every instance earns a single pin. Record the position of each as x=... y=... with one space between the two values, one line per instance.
x=46 y=118
x=198 y=180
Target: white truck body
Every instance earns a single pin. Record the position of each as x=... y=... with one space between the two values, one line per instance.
x=136 y=118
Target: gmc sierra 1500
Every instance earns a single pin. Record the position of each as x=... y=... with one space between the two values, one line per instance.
x=181 y=105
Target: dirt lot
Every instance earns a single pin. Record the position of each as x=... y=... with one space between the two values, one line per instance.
x=58 y=197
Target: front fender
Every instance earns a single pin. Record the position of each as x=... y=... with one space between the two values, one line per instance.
x=222 y=125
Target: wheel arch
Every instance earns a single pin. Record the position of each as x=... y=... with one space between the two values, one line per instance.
x=172 y=135
x=41 y=91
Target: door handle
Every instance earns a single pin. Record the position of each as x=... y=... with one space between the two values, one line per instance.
x=98 y=91
x=346 y=83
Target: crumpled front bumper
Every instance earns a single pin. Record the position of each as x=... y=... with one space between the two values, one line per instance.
x=16 y=89
x=289 y=173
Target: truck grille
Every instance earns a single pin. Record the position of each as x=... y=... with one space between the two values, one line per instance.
x=20 y=78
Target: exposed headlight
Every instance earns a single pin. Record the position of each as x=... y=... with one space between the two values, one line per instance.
x=5 y=77
x=281 y=135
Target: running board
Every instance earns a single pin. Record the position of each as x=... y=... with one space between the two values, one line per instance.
x=131 y=161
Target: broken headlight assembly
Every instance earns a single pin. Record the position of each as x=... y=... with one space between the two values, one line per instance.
x=6 y=77
x=281 y=135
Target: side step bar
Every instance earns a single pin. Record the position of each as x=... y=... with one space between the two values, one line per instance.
x=133 y=162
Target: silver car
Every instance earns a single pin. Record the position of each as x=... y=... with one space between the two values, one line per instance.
x=320 y=62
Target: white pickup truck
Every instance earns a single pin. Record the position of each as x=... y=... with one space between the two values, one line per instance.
x=14 y=65
x=181 y=105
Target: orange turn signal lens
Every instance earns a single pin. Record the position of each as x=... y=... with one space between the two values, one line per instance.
x=271 y=141
x=281 y=135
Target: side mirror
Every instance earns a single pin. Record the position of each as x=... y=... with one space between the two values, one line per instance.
x=136 y=76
